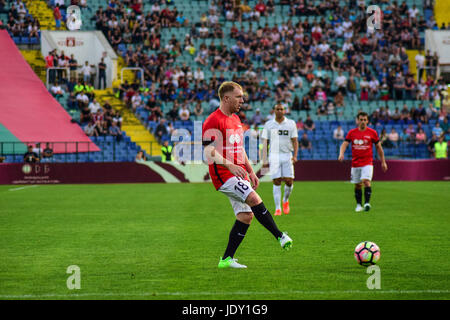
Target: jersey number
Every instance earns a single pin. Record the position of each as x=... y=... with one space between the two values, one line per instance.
x=242 y=185
x=283 y=132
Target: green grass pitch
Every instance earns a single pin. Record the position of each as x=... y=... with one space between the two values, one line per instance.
x=163 y=241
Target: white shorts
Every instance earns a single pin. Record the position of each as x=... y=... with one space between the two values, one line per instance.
x=237 y=190
x=281 y=166
x=361 y=173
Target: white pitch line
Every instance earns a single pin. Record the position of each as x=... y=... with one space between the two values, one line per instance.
x=237 y=293
x=21 y=188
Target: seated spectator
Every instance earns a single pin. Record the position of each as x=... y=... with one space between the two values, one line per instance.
x=384 y=139
x=304 y=105
x=30 y=156
x=198 y=110
x=115 y=131
x=172 y=115
x=300 y=124
x=364 y=86
x=56 y=90
x=437 y=130
x=407 y=137
x=82 y=99
x=338 y=133
x=161 y=130
x=421 y=137
x=140 y=156
x=410 y=130
x=322 y=110
x=91 y=129
x=320 y=94
x=309 y=124
x=394 y=137
x=203 y=31
x=305 y=143
x=296 y=103
x=339 y=99
x=94 y=106
x=184 y=112
x=48 y=151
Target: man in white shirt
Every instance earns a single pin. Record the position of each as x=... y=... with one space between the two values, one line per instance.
x=198 y=74
x=341 y=82
x=412 y=12
x=82 y=99
x=94 y=106
x=283 y=137
x=374 y=86
x=297 y=80
x=420 y=63
x=86 y=71
x=338 y=133
x=56 y=90
x=338 y=30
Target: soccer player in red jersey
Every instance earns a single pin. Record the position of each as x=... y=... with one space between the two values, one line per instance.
x=232 y=173
x=362 y=138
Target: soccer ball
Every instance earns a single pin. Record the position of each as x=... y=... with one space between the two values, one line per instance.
x=367 y=253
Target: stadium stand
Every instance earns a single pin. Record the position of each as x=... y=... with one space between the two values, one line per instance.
x=281 y=52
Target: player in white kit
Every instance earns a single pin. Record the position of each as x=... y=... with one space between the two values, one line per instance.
x=280 y=134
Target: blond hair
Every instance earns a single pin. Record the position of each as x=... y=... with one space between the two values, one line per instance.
x=227 y=86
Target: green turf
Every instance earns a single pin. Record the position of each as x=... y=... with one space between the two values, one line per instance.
x=163 y=241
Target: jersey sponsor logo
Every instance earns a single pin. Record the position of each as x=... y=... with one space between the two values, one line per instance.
x=283 y=132
x=358 y=142
x=234 y=138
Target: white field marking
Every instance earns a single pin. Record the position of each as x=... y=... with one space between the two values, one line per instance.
x=143 y=294
x=21 y=188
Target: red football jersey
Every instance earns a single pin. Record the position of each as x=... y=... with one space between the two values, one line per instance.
x=362 y=142
x=228 y=136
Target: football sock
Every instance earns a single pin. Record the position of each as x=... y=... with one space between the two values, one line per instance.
x=265 y=218
x=287 y=192
x=367 y=194
x=358 y=196
x=237 y=234
x=277 y=196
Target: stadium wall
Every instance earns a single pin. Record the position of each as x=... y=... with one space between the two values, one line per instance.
x=148 y=172
x=88 y=46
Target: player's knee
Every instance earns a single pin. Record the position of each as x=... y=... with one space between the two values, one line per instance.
x=358 y=185
x=245 y=217
x=277 y=182
x=289 y=182
x=366 y=183
x=253 y=199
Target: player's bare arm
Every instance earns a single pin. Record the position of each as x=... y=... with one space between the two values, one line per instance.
x=295 y=145
x=380 y=151
x=212 y=155
x=344 y=146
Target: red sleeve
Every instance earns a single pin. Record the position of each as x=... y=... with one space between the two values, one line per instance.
x=209 y=126
x=375 y=138
x=349 y=136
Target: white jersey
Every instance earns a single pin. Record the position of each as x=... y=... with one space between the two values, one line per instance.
x=280 y=135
